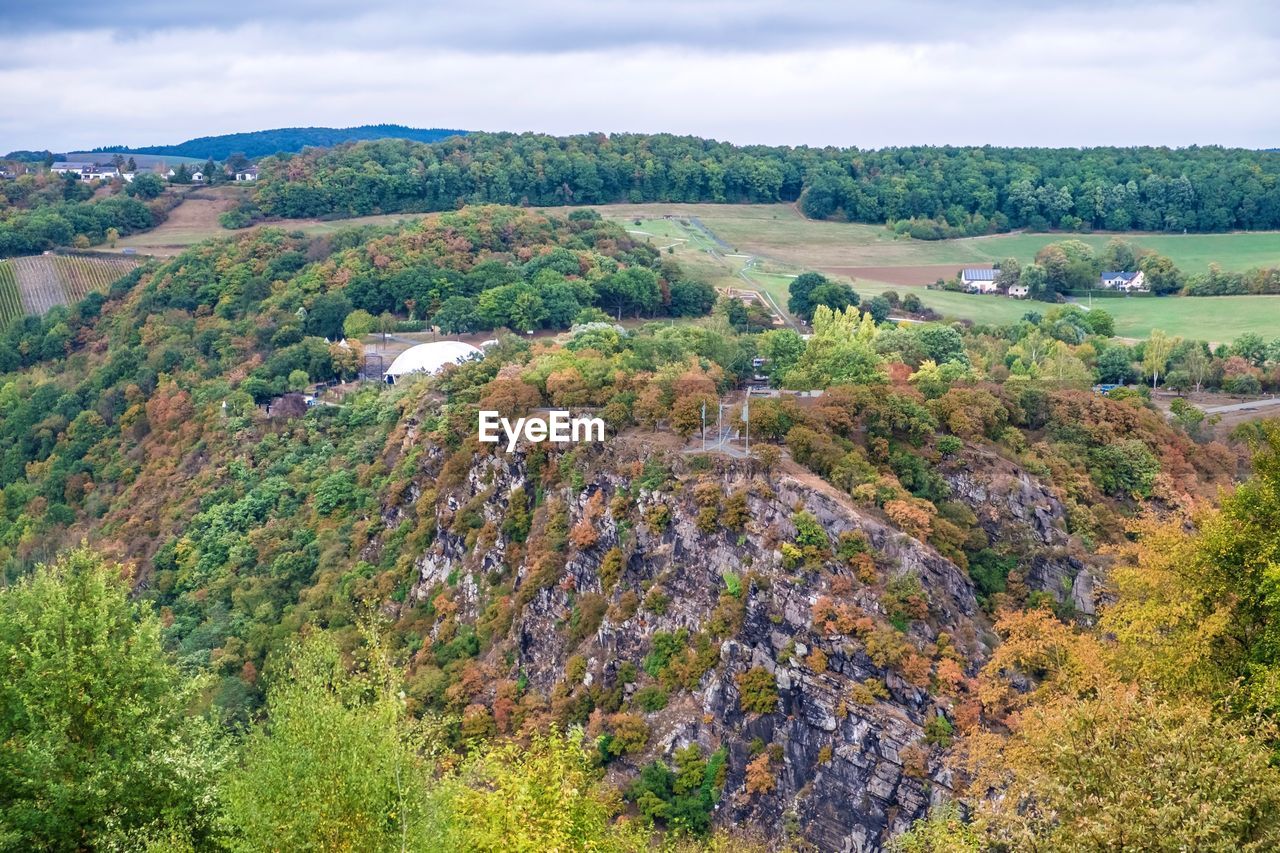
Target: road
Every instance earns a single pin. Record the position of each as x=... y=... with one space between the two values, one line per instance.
x=1247 y=406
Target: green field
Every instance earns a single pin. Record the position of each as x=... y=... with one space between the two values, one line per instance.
x=777 y=231
x=1216 y=319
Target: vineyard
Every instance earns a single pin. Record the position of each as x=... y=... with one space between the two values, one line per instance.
x=10 y=303
x=33 y=285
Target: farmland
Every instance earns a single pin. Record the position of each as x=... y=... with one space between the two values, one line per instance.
x=777 y=231
x=10 y=302
x=763 y=246
x=34 y=284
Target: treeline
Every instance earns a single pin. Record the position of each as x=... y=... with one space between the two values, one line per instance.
x=937 y=191
x=260 y=143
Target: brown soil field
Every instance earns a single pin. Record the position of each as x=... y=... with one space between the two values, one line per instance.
x=906 y=276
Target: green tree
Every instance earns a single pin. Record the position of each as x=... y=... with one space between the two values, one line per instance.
x=335 y=767
x=1155 y=355
x=97 y=744
x=358 y=324
x=457 y=315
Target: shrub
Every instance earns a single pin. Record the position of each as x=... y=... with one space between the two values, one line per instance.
x=758 y=693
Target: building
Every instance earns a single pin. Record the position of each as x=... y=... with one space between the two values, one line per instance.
x=86 y=171
x=248 y=173
x=197 y=177
x=1019 y=291
x=1126 y=281
x=979 y=280
x=429 y=358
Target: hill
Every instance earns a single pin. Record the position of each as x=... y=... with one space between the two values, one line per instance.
x=801 y=634
x=260 y=143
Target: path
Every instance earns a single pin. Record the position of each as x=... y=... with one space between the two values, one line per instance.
x=1247 y=406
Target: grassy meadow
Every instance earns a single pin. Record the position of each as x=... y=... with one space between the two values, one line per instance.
x=777 y=231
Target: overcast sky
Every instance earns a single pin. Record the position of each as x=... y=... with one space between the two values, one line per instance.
x=884 y=72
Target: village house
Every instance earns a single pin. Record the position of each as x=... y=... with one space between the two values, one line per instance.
x=979 y=280
x=249 y=173
x=86 y=171
x=1128 y=282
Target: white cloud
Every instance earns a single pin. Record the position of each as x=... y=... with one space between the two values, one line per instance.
x=1076 y=74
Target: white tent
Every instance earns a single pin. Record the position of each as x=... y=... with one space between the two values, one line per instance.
x=430 y=358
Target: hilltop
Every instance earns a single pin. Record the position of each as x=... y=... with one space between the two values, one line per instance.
x=260 y=143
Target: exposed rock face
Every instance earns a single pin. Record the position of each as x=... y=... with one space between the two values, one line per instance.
x=1015 y=509
x=854 y=766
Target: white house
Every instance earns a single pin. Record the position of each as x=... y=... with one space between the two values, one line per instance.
x=1019 y=291
x=977 y=280
x=197 y=177
x=86 y=171
x=1127 y=281
x=248 y=173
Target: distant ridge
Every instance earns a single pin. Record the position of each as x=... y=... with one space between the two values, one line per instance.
x=260 y=143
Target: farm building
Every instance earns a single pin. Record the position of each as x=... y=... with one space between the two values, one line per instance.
x=979 y=280
x=1126 y=281
x=249 y=173
x=429 y=358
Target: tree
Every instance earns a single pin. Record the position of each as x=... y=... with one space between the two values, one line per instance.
x=113 y=234
x=98 y=747
x=878 y=307
x=1198 y=365
x=633 y=289
x=1115 y=365
x=798 y=301
x=1122 y=769
x=358 y=324
x=146 y=186
x=691 y=298
x=1155 y=354
x=836 y=295
x=1100 y=323
x=1161 y=275
x=541 y=796
x=326 y=314
x=336 y=767
x=781 y=348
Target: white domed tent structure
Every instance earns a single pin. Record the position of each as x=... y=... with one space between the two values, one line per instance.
x=429 y=358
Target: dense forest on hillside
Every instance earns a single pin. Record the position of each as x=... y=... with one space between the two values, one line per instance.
x=261 y=143
x=942 y=191
x=585 y=647
x=44 y=211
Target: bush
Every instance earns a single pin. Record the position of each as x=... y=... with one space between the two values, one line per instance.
x=758 y=692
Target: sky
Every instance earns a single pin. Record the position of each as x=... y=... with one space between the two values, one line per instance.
x=800 y=72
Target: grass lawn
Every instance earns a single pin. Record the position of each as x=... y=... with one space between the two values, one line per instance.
x=777 y=231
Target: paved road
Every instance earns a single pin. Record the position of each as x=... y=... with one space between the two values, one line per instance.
x=1243 y=407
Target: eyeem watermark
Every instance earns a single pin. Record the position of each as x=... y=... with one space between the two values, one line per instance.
x=555 y=426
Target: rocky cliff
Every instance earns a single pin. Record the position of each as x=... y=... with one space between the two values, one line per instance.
x=826 y=652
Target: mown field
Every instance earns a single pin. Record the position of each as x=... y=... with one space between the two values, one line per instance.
x=753 y=230
x=778 y=231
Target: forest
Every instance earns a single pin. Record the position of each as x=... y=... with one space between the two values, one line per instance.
x=355 y=627
x=936 y=191
x=262 y=143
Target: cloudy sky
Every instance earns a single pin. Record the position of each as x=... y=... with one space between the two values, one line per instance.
x=860 y=72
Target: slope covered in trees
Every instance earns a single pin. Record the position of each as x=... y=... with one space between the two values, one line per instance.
x=568 y=646
x=950 y=191
x=261 y=143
